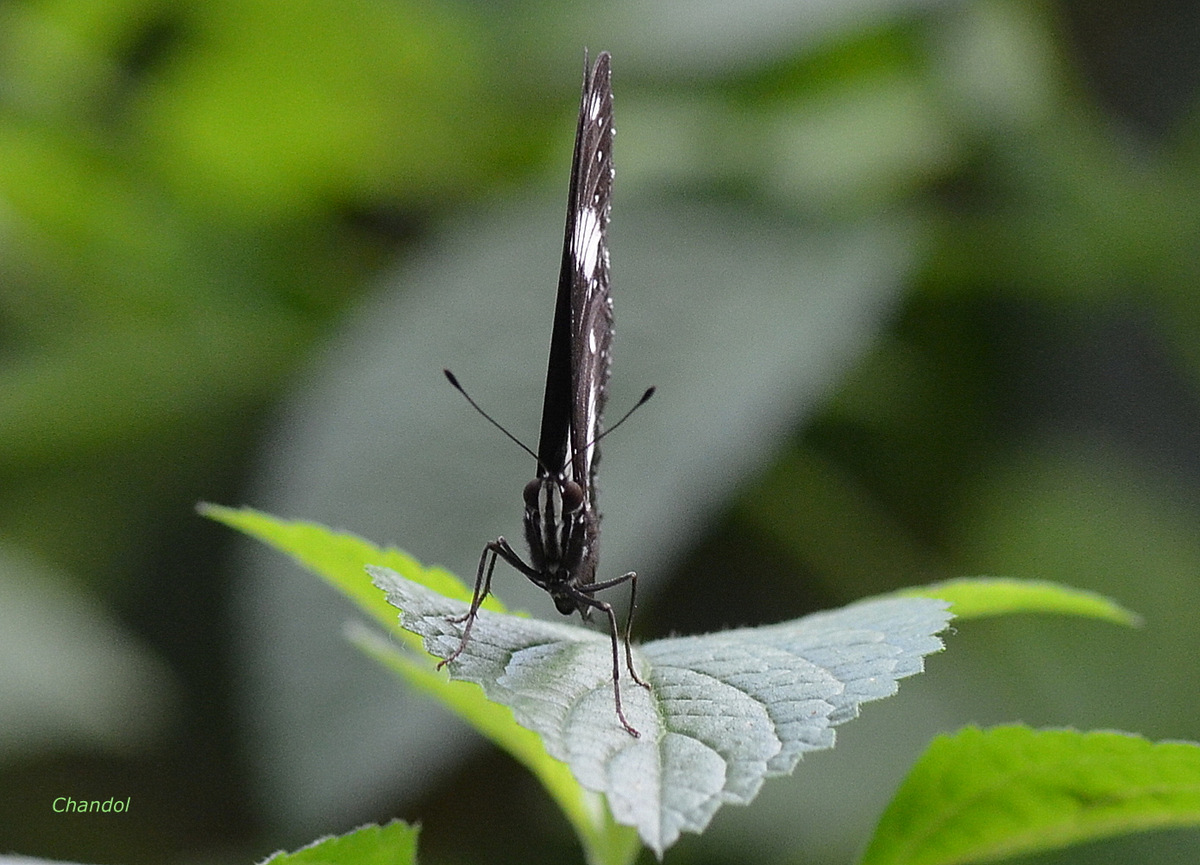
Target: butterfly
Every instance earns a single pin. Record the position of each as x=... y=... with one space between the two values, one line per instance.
x=562 y=523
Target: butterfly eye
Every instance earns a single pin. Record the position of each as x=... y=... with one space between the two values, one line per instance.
x=572 y=497
x=532 y=489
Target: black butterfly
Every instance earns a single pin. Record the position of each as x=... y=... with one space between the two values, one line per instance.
x=562 y=524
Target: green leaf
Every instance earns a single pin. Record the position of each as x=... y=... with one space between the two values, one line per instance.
x=603 y=840
x=341 y=559
x=725 y=710
x=979 y=597
x=393 y=844
x=983 y=795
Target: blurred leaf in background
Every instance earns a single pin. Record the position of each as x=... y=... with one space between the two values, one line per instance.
x=190 y=195
x=916 y=282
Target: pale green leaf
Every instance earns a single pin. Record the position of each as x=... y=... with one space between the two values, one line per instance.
x=724 y=711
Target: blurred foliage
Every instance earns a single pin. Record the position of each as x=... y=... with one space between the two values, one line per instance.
x=192 y=195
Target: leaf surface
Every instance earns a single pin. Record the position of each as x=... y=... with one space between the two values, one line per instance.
x=392 y=844
x=985 y=795
x=724 y=712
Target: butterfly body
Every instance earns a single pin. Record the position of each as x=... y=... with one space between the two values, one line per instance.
x=558 y=522
x=561 y=520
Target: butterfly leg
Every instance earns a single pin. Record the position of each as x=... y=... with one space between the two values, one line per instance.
x=630 y=578
x=483 y=587
x=616 y=653
x=629 y=627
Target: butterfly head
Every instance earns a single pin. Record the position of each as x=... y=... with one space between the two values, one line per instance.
x=557 y=495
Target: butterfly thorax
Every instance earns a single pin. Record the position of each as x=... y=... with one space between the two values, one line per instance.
x=557 y=515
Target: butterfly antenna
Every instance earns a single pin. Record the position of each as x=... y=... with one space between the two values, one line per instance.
x=458 y=387
x=637 y=405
